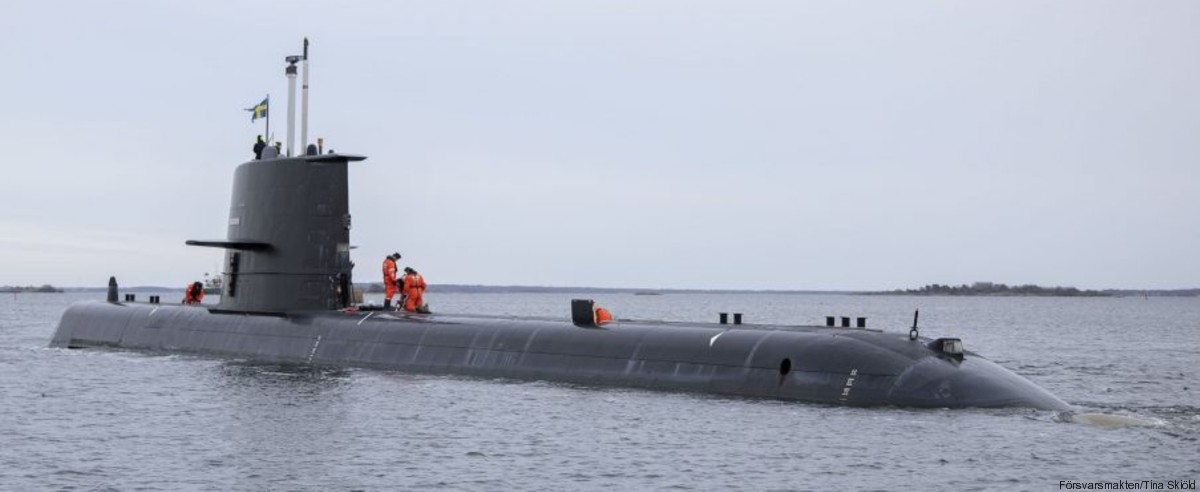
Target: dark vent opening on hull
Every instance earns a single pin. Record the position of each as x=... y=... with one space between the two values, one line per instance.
x=785 y=367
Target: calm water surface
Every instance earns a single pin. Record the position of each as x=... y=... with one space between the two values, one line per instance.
x=108 y=420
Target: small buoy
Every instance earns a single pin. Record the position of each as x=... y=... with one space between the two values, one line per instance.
x=603 y=316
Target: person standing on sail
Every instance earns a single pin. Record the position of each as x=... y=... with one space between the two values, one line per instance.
x=258 y=148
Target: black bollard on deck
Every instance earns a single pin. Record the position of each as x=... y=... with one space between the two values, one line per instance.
x=112 y=289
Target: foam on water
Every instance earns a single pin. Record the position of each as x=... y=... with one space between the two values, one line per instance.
x=1114 y=421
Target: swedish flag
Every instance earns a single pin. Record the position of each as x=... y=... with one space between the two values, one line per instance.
x=259 y=110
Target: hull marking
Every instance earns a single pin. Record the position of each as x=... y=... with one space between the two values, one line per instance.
x=848 y=386
x=314 y=349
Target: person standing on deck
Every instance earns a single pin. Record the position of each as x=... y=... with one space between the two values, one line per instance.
x=390 y=283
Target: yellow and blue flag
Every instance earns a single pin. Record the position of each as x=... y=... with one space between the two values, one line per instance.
x=259 y=110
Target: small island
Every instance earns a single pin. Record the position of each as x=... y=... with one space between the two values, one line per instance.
x=44 y=289
x=994 y=289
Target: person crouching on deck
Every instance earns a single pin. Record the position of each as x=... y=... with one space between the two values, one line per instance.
x=414 y=291
x=193 y=293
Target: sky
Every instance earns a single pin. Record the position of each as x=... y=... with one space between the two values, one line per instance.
x=804 y=145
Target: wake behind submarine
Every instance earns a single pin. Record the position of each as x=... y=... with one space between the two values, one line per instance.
x=287 y=298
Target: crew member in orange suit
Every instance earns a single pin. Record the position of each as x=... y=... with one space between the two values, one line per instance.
x=414 y=291
x=389 y=279
x=193 y=293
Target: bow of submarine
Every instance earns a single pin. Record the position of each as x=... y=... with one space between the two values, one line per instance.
x=860 y=368
x=973 y=381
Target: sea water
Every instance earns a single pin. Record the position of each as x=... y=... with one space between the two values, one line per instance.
x=117 y=420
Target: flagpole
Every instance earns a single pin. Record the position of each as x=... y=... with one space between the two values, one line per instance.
x=268 y=135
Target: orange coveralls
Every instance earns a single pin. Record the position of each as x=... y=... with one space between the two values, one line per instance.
x=192 y=295
x=389 y=277
x=414 y=288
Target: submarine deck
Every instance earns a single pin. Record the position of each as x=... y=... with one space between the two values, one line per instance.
x=615 y=324
x=848 y=366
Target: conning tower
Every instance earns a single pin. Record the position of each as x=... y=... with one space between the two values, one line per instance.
x=288 y=243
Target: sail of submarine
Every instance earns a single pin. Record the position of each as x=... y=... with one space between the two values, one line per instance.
x=287 y=283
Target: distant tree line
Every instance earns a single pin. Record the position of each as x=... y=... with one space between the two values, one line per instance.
x=994 y=289
x=45 y=288
x=1153 y=292
x=376 y=287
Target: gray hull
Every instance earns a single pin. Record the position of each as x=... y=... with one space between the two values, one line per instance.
x=288 y=275
x=814 y=364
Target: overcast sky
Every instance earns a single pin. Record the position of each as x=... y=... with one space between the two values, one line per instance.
x=688 y=144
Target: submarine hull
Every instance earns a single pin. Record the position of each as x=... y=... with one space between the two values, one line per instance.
x=855 y=367
x=286 y=297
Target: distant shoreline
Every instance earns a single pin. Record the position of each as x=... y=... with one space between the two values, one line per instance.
x=29 y=289
x=372 y=288
x=989 y=289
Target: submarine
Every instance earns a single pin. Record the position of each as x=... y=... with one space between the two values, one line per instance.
x=287 y=298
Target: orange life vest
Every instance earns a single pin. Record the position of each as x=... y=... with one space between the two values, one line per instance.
x=389 y=271
x=192 y=294
x=414 y=284
x=602 y=315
